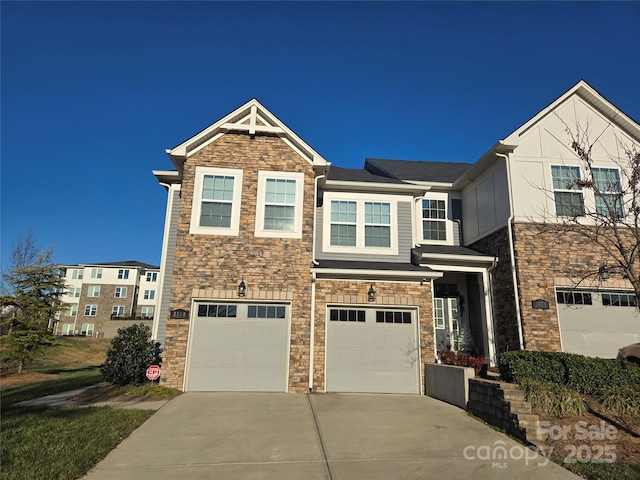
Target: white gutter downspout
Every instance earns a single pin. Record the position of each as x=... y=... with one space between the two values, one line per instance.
x=514 y=275
x=313 y=283
x=494 y=360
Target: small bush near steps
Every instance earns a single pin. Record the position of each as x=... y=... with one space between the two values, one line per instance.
x=449 y=357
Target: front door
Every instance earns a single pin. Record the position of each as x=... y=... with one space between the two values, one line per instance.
x=447 y=324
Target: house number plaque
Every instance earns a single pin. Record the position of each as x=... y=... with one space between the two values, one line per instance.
x=543 y=304
x=179 y=314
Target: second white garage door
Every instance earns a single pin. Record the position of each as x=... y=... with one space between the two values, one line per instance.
x=372 y=350
x=239 y=347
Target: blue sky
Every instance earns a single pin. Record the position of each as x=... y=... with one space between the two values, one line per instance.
x=93 y=93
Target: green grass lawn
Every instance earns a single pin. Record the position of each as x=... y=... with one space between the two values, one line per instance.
x=61 y=442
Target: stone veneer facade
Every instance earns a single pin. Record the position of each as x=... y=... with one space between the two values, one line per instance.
x=544 y=260
x=211 y=266
x=388 y=294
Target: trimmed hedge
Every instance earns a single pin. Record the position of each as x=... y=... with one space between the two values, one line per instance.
x=584 y=374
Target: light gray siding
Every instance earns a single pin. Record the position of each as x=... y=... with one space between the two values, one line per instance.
x=404 y=240
x=163 y=310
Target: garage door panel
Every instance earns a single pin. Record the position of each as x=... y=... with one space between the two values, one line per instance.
x=371 y=356
x=237 y=379
x=595 y=329
x=238 y=353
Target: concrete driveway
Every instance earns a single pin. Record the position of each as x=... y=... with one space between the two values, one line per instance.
x=333 y=436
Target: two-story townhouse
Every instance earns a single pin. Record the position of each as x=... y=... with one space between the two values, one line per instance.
x=101 y=298
x=280 y=272
x=515 y=197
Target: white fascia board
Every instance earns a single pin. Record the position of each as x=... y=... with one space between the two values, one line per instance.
x=586 y=92
x=345 y=185
x=462 y=258
x=430 y=185
x=484 y=162
x=233 y=121
x=376 y=273
x=456 y=268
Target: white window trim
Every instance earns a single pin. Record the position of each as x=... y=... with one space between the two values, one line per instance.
x=92 y=290
x=448 y=222
x=196 y=206
x=263 y=175
x=581 y=191
x=610 y=192
x=360 y=199
x=115 y=293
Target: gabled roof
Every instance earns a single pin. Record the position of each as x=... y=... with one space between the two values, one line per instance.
x=358 y=175
x=251 y=118
x=418 y=171
x=124 y=263
x=594 y=98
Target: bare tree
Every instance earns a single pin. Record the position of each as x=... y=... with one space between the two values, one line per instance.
x=24 y=251
x=611 y=224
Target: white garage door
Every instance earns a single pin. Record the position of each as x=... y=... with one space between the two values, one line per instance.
x=596 y=324
x=372 y=350
x=239 y=347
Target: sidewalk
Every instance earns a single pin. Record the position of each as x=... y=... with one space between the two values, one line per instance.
x=62 y=399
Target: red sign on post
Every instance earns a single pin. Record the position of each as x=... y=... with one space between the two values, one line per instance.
x=153 y=372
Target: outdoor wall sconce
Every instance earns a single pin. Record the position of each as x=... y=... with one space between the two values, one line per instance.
x=371 y=294
x=603 y=273
x=242 y=288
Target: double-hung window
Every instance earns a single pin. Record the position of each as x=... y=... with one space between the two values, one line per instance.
x=377 y=224
x=71 y=310
x=216 y=201
x=567 y=195
x=77 y=274
x=90 y=310
x=121 y=292
x=364 y=223
x=96 y=273
x=74 y=292
x=123 y=274
x=94 y=291
x=434 y=219
x=152 y=276
x=279 y=204
x=117 y=311
x=149 y=294
x=344 y=223
x=608 y=192
x=146 y=312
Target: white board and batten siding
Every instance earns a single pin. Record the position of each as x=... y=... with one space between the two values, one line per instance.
x=372 y=350
x=238 y=347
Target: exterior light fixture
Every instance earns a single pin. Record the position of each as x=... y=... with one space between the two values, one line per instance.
x=603 y=273
x=242 y=288
x=371 y=294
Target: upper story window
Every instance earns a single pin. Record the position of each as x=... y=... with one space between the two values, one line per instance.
x=344 y=223
x=568 y=196
x=152 y=276
x=216 y=201
x=377 y=224
x=121 y=292
x=96 y=273
x=434 y=219
x=123 y=274
x=279 y=205
x=74 y=291
x=609 y=199
x=94 y=291
x=149 y=294
x=77 y=274
x=363 y=222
